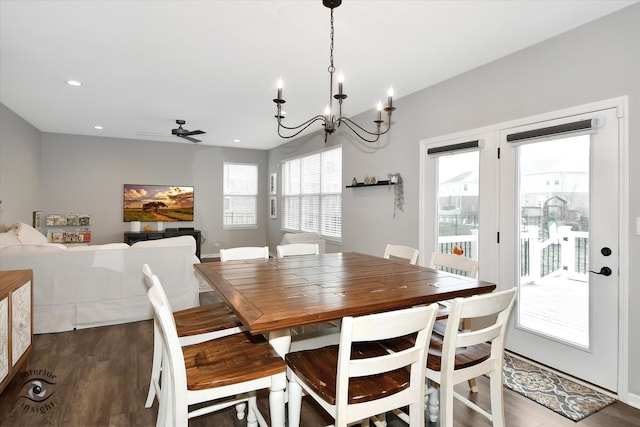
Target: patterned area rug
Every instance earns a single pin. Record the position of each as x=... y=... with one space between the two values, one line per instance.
x=559 y=394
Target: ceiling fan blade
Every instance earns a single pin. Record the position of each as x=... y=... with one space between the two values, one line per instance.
x=196 y=132
x=189 y=138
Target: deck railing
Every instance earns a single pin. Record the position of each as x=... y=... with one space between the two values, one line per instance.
x=565 y=251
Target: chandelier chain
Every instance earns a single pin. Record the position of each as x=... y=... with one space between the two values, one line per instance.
x=331 y=68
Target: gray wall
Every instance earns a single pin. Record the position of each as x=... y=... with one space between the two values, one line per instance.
x=19 y=169
x=73 y=173
x=597 y=61
x=87 y=174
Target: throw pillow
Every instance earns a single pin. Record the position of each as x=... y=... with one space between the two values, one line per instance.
x=27 y=235
x=33 y=249
x=8 y=239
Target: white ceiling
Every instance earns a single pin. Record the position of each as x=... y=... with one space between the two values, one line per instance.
x=215 y=64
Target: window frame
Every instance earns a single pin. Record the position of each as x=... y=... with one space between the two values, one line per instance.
x=255 y=196
x=298 y=197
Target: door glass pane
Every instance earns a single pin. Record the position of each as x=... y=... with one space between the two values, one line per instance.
x=554 y=238
x=458 y=198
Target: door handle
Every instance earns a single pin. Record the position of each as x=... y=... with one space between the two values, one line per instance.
x=605 y=271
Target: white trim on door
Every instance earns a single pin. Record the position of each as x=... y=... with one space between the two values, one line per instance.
x=426 y=203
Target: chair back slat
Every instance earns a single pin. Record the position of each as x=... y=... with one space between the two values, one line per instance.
x=293 y=249
x=401 y=251
x=486 y=304
x=458 y=263
x=246 y=252
x=382 y=364
x=466 y=339
x=385 y=325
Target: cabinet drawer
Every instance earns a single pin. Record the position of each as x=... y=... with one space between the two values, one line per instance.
x=4 y=338
x=20 y=321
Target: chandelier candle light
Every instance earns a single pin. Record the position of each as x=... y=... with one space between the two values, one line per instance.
x=329 y=119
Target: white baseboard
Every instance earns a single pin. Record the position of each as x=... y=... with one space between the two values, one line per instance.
x=633 y=400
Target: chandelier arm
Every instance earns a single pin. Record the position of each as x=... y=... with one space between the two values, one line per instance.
x=302 y=126
x=347 y=121
x=377 y=136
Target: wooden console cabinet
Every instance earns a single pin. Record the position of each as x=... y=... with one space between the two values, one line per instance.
x=131 y=237
x=16 y=322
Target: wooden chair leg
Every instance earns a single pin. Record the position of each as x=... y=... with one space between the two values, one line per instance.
x=252 y=420
x=295 y=403
x=240 y=410
x=433 y=403
x=379 y=420
x=277 y=402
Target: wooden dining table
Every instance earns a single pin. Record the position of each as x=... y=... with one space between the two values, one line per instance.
x=270 y=296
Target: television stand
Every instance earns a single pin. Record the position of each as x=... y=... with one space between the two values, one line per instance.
x=131 y=237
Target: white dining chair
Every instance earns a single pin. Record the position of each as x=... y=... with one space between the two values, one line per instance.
x=401 y=251
x=214 y=374
x=244 y=252
x=193 y=325
x=310 y=336
x=464 y=355
x=294 y=249
x=456 y=264
x=459 y=356
x=352 y=385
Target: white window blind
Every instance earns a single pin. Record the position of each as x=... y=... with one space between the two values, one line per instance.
x=312 y=193
x=240 y=189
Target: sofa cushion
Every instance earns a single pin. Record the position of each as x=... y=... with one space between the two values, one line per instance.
x=169 y=242
x=27 y=235
x=104 y=247
x=33 y=249
x=8 y=239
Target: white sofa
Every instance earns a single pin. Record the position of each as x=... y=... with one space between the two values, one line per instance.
x=86 y=286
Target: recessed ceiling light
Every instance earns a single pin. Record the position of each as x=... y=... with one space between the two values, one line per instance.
x=74 y=83
x=98 y=127
x=236 y=140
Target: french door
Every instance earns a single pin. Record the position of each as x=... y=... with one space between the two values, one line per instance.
x=539 y=206
x=559 y=232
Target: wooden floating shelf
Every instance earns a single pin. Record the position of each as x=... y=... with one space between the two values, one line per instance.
x=362 y=184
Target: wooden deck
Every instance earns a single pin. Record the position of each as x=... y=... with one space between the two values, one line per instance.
x=556 y=307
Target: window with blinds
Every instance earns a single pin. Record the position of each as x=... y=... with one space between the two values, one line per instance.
x=312 y=194
x=240 y=194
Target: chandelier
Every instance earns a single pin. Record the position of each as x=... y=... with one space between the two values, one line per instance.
x=329 y=119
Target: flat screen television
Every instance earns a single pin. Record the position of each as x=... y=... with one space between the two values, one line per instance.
x=151 y=203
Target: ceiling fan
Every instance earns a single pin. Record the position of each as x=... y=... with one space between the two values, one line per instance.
x=184 y=133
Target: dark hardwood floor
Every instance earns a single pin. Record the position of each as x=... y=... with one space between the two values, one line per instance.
x=102 y=378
